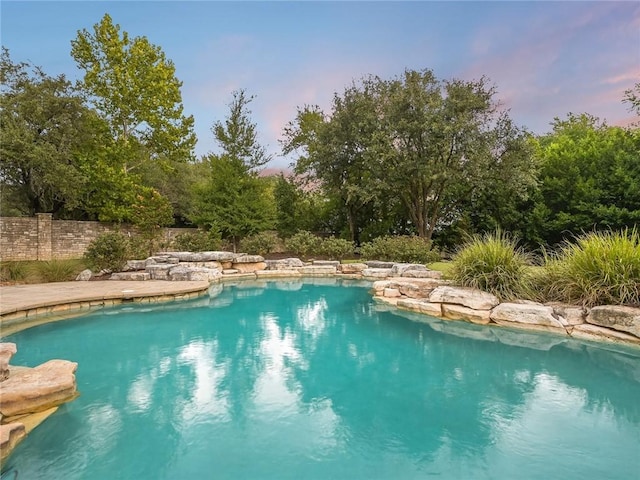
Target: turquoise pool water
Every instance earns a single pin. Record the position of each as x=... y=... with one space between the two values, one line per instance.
x=311 y=381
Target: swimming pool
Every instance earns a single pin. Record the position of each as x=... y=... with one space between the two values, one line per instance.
x=307 y=380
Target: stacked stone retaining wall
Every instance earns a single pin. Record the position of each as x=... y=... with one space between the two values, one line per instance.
x=42 y=238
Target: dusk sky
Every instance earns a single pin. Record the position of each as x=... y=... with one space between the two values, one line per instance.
x=546 y=59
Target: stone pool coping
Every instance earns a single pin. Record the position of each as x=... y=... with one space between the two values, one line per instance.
x=20 y=303
x=24 y=306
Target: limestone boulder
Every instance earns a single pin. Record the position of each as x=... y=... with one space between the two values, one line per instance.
x=520 y=315
x=458 y=312
x=277 y=273
x=416 y=289
x=135 y=265
x=623 y=319
x=586 y=331
x=203 y=274
x=7 y=350
x=568 y=314
x=332 y=263
x=36 y=389
x=467 y=297
x=284 y=264
x=422 y=274
x=399 y=268
x=159 y=271
x=391 y=293
x=379 y=264
x=351 y=268
x=425 y=307
x=248 y=259
x=10 y=435
x=84 y=276
x=134 y=276
x=178 y=274
x=376 y=272
x=208 y=264
x=249 y=267
x=318 y=270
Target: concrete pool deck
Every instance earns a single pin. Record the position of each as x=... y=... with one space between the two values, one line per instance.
x=19 y=302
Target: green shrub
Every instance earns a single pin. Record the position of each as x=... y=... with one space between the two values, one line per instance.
x=260 y=243
x=409 y=249
x=304 y=243
x=200 y=241
x=14 y=271
x=109 y=251
x=596 y=269
x=58 y=270
x=336 y=248
x=494 y=263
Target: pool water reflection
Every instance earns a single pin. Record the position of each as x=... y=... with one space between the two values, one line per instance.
x=304 y=380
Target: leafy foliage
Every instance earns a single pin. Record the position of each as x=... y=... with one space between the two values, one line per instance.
x=199 y=241
x=303 y=243
x=238 y=136
x=260 y=243
x=134 y=86
x=493 y=262
x=598 y=268
x=589 y=178
x=109 y=251
x=410 y=249
x=413 y=144
x=337 y=248
x=46 y=129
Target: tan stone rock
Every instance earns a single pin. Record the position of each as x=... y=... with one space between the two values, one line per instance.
x=10 y=435
x=519 y=315
x=277 y=273
x=249 y=259
x=376 y=272
x=467 y=297
x=7 y=350
x=37 y=389
x=417 y=289
x=351 y=268
x=391 y=293
x=568 y=314
x=596 y=333
x=421 y=306
x=458 y=312
x=410 y=304
x=318 y=270
x=429 y=308
x=623 y=319
x=249 y=267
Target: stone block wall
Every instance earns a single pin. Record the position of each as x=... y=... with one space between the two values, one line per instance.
x=42 y=238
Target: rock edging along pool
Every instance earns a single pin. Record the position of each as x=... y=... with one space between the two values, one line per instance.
x=302 y=380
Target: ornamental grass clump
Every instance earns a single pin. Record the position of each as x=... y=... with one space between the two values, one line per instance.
x=493 y=262
x=58 y=270
x=598 y=268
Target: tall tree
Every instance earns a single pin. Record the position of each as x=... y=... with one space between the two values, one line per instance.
x=336 y=151
x=231 y=197
x=45 y=131
x=589 y=178
x=134 y=86
x=413 y=144
x=238 y=135
x=447 y=140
